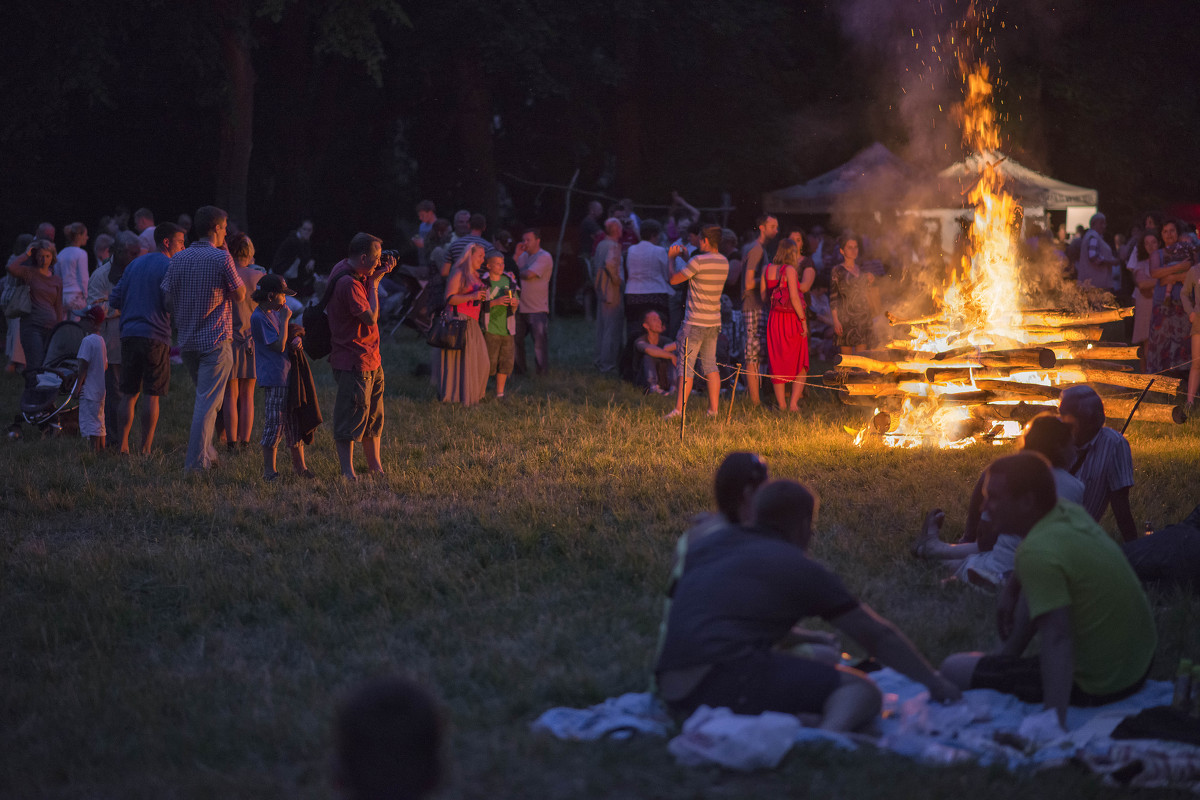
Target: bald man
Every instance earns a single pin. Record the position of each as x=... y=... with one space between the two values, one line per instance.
x=1104 y=462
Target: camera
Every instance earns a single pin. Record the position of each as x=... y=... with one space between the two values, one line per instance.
x=392 y=253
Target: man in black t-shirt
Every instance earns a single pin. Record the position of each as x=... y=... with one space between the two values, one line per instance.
x=742 y=591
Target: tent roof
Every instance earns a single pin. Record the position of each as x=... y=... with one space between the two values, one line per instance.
x=1029 y=187
x=869 y=181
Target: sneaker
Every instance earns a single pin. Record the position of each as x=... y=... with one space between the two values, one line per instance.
x=672 y=414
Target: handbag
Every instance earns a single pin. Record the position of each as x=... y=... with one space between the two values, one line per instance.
x=448 y=331
x=19 y=302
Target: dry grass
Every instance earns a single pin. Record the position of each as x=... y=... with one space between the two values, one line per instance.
x=167 y=636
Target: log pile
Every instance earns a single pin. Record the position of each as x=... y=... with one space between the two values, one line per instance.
x=969 y=392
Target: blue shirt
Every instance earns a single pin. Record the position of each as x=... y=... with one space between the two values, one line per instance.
x=271 y=365
x=140 y=299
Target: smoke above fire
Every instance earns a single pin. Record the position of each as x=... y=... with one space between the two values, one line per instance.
x=943 y=73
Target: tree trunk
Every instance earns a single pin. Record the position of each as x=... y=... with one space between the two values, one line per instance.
x=237 y=115
x=477 y=159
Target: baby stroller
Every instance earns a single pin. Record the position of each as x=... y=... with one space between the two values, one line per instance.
x=52 y=390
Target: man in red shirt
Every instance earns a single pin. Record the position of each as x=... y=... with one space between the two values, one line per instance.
x=353 y=313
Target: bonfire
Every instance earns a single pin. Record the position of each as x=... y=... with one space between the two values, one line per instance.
x=986 y=362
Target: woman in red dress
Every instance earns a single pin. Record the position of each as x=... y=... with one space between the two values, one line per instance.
x=784 y=283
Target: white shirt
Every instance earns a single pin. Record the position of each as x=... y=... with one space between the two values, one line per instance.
x=72 y=267
x=646 y=267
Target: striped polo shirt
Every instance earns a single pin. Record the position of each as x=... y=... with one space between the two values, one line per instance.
x=1105 y=465
x=707 y=273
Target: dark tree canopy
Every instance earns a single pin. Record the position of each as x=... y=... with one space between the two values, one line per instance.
x=351 y=111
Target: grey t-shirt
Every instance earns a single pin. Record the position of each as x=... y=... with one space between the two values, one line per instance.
x=752 y=264
x=741 y=592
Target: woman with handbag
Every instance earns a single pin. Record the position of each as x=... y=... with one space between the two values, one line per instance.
x=784 y=282
x=12 y=339
x=463 y=374
x=44 y=292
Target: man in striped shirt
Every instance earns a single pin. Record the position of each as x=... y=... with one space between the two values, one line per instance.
x=1104 y=462
x=478 y=225
x=706 y=272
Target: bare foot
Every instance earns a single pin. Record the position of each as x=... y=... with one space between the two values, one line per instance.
x=930 y=531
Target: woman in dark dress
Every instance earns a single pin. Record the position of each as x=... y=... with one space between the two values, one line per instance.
x=853 y=299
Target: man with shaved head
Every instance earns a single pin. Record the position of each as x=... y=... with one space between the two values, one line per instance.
x=1079 y=595
x=1104 y=462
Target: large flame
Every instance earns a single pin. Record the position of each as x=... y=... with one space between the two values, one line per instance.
x=980 y=305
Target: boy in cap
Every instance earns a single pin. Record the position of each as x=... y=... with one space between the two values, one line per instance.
x=269 y=328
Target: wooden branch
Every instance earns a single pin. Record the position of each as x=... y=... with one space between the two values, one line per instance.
x=1069 y=319
x=1162 y=383
x=1147 y=412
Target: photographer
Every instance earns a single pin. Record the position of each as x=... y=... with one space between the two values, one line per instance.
x=353 y=313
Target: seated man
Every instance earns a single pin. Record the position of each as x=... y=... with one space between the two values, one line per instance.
x=742 y=591
x=1104 y=462
x=658 y=357
x=1097 y=632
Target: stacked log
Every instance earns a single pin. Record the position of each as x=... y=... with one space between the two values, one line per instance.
x=1022 y=375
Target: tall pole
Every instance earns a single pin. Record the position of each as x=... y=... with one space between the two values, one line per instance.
x=562 y=232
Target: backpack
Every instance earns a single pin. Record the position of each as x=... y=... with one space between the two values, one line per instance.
x=318 y=339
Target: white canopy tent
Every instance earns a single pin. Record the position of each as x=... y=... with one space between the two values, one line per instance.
x=1038 y=194
x=873 y=180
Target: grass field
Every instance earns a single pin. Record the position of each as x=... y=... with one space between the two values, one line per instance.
x=164 y=635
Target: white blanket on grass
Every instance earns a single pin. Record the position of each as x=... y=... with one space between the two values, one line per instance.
x=987 y=727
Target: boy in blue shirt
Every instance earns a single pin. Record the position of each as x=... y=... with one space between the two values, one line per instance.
x=269 y=327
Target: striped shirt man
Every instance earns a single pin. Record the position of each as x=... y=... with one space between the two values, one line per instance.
x=1105 y=465
x=707 y=273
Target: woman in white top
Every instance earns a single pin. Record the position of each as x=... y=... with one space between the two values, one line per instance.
x=72 y=267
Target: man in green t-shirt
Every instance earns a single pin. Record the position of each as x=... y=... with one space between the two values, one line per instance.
x=1078 y=592
x=497 y=321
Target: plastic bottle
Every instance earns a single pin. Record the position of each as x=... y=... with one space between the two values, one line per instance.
x=1181 y=699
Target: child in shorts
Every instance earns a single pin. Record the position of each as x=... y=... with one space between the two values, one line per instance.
x=93 y=362
x=269 y=329
x=499 y=320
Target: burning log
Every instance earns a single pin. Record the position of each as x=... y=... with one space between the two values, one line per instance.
x=1102 y=352
x=1146 y=412
x=1042 y=335
x=1133 y=381
x=1031 y=358
x=1069 y=319
x=1021 y=412
x=1013 y=390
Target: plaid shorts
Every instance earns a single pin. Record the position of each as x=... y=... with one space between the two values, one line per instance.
x=277 y=421
x=756 y=335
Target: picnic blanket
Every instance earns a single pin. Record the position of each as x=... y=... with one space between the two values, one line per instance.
x=987 y=728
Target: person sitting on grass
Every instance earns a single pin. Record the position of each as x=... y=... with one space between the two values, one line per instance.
x=1104 y=463
x=388 y=739
x=658 y=357
x=742 y=591
x=1076 y=589
x=985 y=557
x=269 y=330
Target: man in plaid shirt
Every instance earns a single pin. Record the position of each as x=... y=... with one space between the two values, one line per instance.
x=201 y=285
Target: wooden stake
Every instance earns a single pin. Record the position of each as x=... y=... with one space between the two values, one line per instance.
x=562 y=232
x=684 y=388
x=733 y=393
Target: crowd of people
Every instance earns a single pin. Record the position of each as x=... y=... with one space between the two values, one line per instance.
x=787 y=297
x=671 y=300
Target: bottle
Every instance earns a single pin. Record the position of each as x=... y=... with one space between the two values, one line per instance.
x=1181 y=700
x=1149 y=529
